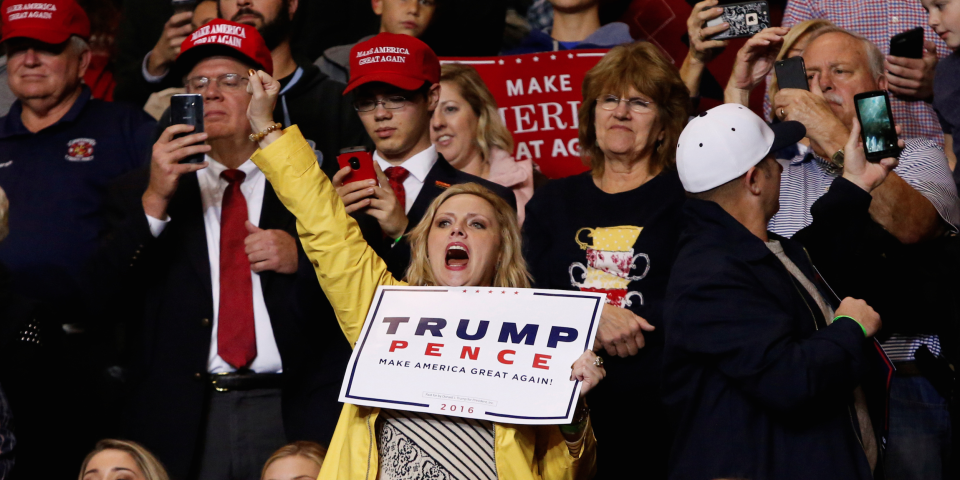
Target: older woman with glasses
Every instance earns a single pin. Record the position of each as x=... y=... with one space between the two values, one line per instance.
x=614 y=230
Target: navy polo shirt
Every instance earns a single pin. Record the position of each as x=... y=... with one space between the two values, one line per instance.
x=56 y=180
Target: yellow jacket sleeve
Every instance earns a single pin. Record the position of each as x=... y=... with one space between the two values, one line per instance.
x=348 y=269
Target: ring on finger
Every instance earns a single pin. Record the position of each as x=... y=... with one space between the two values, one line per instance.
x=598 y=362
x=782 y=114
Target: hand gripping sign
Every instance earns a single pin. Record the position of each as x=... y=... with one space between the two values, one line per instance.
x=539 y=97
x=495 y=354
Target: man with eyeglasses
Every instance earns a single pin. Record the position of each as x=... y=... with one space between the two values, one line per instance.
x=395 y=79
x=238 y=350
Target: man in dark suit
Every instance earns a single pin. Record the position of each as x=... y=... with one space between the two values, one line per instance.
x=396 y=82
x=237 y=350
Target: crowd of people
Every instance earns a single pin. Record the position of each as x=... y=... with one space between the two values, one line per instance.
x=777 y=306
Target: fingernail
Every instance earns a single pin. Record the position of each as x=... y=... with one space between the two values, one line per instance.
x=371 y=182
x=251 y=72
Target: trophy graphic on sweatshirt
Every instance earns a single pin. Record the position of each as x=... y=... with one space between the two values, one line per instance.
x=611 y=264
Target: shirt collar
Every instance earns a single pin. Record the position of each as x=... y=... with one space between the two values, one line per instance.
x=13 y=125
x=418 y=165
x=215 y=168
x=806 y=154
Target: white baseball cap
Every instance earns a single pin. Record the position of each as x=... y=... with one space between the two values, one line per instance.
x=722 y=143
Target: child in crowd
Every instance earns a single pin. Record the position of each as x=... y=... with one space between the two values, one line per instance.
x=944 y=19
x=405 y=17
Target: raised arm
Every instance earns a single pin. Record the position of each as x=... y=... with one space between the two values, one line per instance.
x=348 y=269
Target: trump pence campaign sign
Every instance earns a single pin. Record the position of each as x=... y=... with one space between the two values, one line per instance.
x=538 y=96
x=497 y=354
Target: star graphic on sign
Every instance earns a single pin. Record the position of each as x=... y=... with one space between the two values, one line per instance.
x=536 y=59
x=501 y=62
x=518 y=60
x=478 y=291
x=464 y=291
x=516 y=293
x=503 y=291
x=553 y=57
x=491 y=291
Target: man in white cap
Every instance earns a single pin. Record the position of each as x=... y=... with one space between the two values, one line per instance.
x=762 y=366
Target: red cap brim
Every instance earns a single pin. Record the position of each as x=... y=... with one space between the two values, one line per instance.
x=53 y=37
x=397 y=80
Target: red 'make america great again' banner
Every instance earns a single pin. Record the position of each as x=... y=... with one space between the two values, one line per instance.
x=539 y=96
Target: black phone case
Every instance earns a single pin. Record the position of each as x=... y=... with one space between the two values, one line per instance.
x=187 y=109
x=907 y=44
x=746 y=19
x=791 y=73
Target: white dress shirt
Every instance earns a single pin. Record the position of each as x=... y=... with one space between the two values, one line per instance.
x=211 y=193
x=419 y=166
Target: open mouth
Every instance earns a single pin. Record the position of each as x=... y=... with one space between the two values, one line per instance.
x=444 y=139
x=457 y=256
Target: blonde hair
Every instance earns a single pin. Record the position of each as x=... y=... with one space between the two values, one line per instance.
x=512 y=268
x=642 y=66
x=491 y=132
x=148 y=464
x=791 y=39
x=309 y=450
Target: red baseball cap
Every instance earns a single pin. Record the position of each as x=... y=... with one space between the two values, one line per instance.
x=50 y=21
x=400 y=60
x=223 y=37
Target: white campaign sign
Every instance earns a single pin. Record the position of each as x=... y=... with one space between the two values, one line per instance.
x=495 y=354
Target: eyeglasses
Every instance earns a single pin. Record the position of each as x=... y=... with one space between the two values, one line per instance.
x=611 y=102
x=394 y=102
x=227 y=81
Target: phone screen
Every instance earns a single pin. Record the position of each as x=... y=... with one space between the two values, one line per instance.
x=879 y=134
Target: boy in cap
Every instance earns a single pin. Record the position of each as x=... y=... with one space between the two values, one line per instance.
x=234 y=359
x=395 y=80
x=762 y=366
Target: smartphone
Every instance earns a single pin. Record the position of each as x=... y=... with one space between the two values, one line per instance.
x=877 y=130
x=360 y=163
x=908 y=44
x=746 y=19
x=187 y=109
x=791 y=73
x=180 y=6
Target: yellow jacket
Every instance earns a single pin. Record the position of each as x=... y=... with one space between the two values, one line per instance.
x=349 y=272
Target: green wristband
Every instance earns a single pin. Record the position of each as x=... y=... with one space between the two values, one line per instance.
x=838 y=317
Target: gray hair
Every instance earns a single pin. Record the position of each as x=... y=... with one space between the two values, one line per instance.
x=874 y=55
x=78 y=45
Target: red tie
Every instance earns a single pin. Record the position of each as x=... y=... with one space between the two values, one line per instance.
x=397 y=175
x=236 y=336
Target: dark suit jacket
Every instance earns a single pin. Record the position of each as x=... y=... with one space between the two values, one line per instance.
x=442 y=175
x=163 y=286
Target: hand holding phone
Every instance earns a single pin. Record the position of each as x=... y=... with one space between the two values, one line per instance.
x=907 y=44
x=791 y=73
x=746 y=19
x=187 y=109
x=877 y=129
x=360 y=163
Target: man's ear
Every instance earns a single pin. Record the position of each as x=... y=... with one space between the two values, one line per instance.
x=85 y=58
x=377 y=6
x=751 y=180
x=292 y=7
x=882 y=82
x=433 y=97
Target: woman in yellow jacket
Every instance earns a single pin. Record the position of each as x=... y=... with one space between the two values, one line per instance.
x=469 y=236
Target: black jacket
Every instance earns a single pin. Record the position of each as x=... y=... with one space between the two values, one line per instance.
x=760 y=386
x=863 y=260
x=163 y=285
x=317 y=105
x=441 y=176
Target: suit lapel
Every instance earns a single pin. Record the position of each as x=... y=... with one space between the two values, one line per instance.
x=431 y=190
x=274 y=216
x=194 y=231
